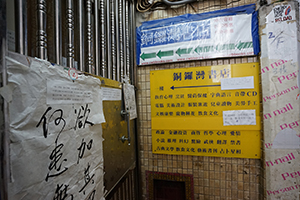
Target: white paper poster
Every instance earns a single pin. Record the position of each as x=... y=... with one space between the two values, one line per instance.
x=67 y=92
x=55 y=144
x=280 y=34
x=237 y=83
x=129 y=97
x=239 y=117
x=111 y=94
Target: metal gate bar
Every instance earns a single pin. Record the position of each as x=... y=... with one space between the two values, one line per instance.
x=81 y=35
x=103 y=29
x=117 y=40
x=21 y=26
x=57 y=32
x=125 y=190
x=127 y=25
x=113 y=41
x=103 y=39
x=89 y=26
x=97 y=54
x=41 y=32
x=70 y=33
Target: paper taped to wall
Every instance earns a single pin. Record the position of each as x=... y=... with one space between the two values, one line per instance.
x=111 y=94
x=129 y=97
x=67 y=92
x=239 y=117
x=56 y=146
x=237 y=83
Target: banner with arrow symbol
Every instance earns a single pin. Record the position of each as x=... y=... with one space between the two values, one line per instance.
x=224 y=33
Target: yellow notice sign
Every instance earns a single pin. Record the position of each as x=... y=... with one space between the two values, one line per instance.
x=195 y=111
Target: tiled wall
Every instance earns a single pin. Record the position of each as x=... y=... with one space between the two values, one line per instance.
x=214 y=178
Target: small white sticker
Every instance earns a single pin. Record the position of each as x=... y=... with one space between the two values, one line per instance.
x=237 y=83
x=281 y=13
x=239 y=117
x=73 y=73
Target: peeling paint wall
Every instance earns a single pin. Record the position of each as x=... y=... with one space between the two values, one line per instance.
x=279 y=34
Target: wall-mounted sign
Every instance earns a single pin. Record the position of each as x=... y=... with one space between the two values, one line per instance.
x=192 y=115
x=224 y=33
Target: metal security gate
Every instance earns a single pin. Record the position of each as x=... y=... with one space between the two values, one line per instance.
x=96 y=37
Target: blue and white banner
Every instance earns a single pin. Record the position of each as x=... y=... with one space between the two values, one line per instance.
x=223 y=33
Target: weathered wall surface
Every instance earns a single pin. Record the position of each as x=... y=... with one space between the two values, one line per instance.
x=279 y=71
